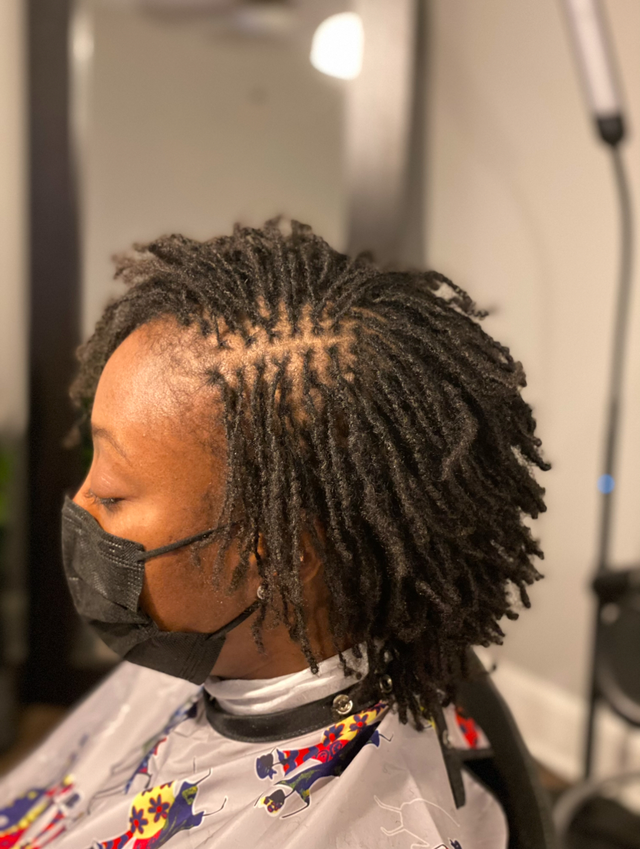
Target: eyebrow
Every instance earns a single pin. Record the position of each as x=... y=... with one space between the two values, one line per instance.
x=102 y=433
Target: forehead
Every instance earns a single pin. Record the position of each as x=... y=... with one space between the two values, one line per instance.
x=138 y=381
x=155 y=401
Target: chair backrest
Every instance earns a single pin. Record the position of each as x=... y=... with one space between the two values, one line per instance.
x=615 y=665
x=510 y=773
x=617 y=643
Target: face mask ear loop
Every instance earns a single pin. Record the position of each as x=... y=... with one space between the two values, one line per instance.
x=238 y=620
x=244 y=615
x=181 y=543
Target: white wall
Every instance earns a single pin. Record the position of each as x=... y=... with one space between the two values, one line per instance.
x=522 y=212
x=191 y=129
x=12 y=219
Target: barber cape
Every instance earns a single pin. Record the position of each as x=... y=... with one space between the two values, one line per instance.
x=138 y=765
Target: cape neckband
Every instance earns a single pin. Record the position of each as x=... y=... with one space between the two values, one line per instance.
x=300 y=720
x=293 y=722
x=271 y=695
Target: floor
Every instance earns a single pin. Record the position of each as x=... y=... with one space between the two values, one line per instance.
x=34 y=724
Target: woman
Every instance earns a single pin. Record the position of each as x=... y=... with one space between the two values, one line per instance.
x=304 y=507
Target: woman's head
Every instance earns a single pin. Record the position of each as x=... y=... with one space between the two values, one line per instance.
x=360 y=439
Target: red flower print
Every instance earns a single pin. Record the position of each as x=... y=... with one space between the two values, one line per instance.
x=158 y=809
x=358 y=721
x=332 y=734
x=136 y=821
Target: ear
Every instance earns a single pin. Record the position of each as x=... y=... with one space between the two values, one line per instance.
x=261 y=547
x=310 y=562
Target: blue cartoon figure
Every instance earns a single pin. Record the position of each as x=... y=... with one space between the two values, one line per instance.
x=302 y=768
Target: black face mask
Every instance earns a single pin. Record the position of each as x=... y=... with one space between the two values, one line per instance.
x=105 y=574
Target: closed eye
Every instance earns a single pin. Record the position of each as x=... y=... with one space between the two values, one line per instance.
x=109 y=504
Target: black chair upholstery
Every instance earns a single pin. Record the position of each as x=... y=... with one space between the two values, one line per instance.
x=509 y=773
x=617 y=643
x=591 y=807
x=615 y=669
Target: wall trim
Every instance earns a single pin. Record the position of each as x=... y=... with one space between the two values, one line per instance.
x=552 y=722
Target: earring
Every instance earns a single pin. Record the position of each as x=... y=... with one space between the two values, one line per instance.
x=262 y=592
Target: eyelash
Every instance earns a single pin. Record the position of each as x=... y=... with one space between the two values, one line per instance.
x=109 y=504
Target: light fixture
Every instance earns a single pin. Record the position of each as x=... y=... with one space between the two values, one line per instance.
x=338 y=45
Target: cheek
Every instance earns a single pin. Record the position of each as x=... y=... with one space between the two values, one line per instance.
x=176 y=594
x=180 y=596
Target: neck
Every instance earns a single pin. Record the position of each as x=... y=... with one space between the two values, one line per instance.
x=241 y=657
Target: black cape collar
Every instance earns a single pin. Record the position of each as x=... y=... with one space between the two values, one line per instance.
x=294 y=722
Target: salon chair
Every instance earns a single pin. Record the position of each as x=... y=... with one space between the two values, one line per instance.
x=593 y=813
x=509 y=771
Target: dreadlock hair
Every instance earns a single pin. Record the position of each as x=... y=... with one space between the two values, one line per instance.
x=364 y=399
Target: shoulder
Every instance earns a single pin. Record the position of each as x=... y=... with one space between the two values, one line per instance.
x=130 y=701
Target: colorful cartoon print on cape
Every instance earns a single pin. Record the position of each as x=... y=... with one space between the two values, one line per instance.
x=157 y=814
x=301 y=768
x=469 y=729
x=138 y=763
x=47 y=806
x=50 y=806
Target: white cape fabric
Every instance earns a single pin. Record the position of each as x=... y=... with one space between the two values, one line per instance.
x=137 y=765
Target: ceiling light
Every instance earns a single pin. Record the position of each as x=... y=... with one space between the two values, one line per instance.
x=338 y=45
